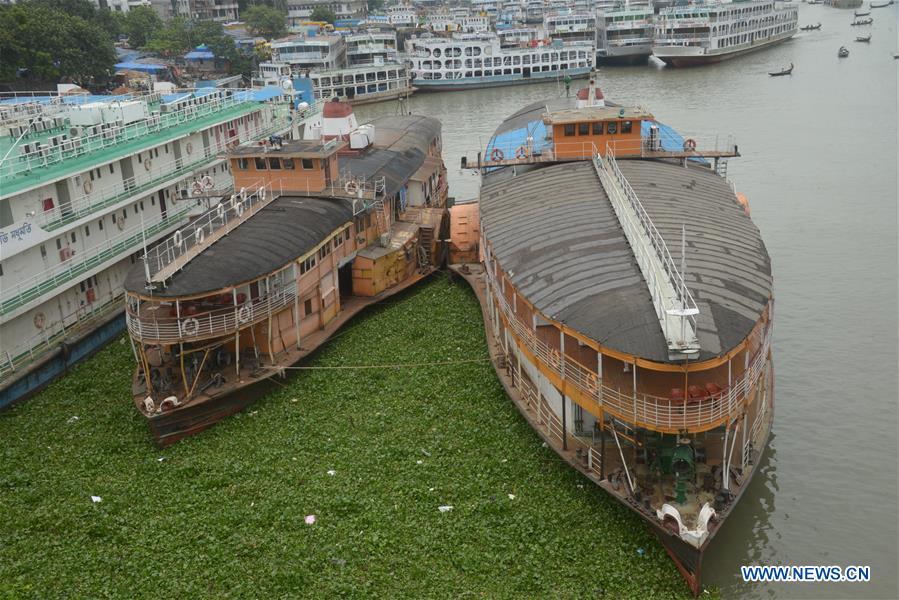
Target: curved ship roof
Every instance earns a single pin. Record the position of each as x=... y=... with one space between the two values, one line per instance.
x=567 y=252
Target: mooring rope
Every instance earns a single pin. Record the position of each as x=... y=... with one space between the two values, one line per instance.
x=388 y=366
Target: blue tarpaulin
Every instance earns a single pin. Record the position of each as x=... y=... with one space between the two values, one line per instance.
x=142 y=67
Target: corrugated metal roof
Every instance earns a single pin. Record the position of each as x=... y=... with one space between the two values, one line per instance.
x=728 y=267
x=567 y=254
x=282 y=231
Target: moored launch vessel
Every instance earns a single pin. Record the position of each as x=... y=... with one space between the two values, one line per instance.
x=628 y=302
x=316 y=230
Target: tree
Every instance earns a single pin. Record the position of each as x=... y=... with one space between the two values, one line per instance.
x=48 y=44
x=141 y=23
x=172 y=40
x=74 y=8
x=112 y=21
x=265 y=21
x=375 y=5
x=323 y=13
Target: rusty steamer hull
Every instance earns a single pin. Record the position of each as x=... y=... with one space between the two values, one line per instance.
x=631 y=317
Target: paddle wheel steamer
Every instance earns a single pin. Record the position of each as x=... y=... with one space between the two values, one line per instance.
x=316 y=230
x=628 y=302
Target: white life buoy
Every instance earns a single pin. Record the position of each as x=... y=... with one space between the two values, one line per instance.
x=220 y=211
x=243 y=194
x=189 y=148
x=350 y=187
x=261 y=193
x=197 y=187
x=238 y=208
x=39 y=320
x=120 y=223
x=147 y=164
x=200 y=234
x=88 y=187
x=178 y=239
x=245 y=313
x=207 y=182
x=190 y=327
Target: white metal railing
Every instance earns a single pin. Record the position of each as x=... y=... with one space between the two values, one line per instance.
x=675 y=307
x=220 y=220
x=36 y=286
x=28 y=351
x=163 y=172
x=640 y=409
x=111 y=134
x=215 y=323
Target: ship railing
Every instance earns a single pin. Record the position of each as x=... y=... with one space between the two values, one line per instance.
x=683 y=299
x=211 y=324
x=27 y=352
x=550 y=423
x=161 y=261
x=111 y=134
x=641 y=409
x=28 y=290
x=87 y=204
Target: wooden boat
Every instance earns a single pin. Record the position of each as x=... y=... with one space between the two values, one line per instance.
x=811 y=27
x=843 y=52
x=862 y=14
x=783 y=72
x=318 y=230
x=882 y=4
x=867 y=21
x=670 y=422
x=863 y=38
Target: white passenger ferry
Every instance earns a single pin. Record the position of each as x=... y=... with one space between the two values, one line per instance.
x=569 y=26
x=705 y=33
x=356 y=85
x=624 y=35
x=479 y=60
x=87 y=182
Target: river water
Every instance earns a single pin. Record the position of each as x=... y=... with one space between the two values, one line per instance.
x=819 y=166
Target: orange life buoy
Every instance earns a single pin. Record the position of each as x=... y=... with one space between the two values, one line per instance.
x=521 y=152
x=496 y=154
x=689 y=144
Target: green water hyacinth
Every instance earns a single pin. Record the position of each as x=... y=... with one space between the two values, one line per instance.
x=224 y=514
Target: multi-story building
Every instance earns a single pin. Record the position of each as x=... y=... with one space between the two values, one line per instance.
x=299 y=11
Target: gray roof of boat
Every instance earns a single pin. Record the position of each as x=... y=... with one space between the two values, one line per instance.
x=567 y=254
x=400 y=147
x=286 y=229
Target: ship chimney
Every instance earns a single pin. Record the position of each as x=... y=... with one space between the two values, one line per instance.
x=591 y=90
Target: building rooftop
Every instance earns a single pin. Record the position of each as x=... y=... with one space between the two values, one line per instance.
x=297 y=148
x=595 y=113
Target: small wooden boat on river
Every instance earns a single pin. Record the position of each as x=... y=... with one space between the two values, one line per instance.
x=883 y=4
x=782 y=72
x=843 y=52
x=862 y=14
x=863 y=38
x=861 y=22
x=811 y=27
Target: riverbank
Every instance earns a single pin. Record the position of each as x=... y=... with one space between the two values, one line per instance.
x=224 y=513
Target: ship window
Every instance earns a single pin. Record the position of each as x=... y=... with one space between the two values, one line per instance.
x=612 y=128
x=597 y=128
x=288 y=164
x=307 y=307
x=626 y=127
x=274 y=164
x=87 y=231
x=346 y=234
x=92 y=175
x=111 y=168
x=58 y=243
x=583 y=128
x=100 y=224
x=43 y=251
x=241 y=164
x=569 y=129
x=308 y=164
x=73 y=237
x=260 y=163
